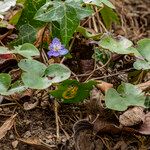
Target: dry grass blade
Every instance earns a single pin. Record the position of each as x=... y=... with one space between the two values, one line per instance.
x=7 y=126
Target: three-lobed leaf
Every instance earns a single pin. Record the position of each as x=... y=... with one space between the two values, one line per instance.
x=125 y=96
x=37 y=75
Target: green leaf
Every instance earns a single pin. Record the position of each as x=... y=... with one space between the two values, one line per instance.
x=67 y=14
x=71 y=91
x=114 y=101
x=27 y=34
x=141 y=64
x=58 y=72
x=51 y=11
x=27 y=50
x=82 y=12
x=32 y=66
x=109 y=16
x=125 y=96
x=121 y=46
x=100 y=2
x=35 y=82
x=16 y=87
x=33 y=77
x=68 y=23
x=144 y=49
x=28 y=12
x=86 y=34
x=5 y=81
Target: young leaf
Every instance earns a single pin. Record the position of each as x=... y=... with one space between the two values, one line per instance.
x=58 y=72
x=27 y=50
x=32 y=66
x=109 y=16
x=5 y=81
x=125 y=96
x=71 y=91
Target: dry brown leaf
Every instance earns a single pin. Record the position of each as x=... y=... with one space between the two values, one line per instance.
x=104 y=86
x=37 y=143
x=7 y=126
x=132 y=116
x=145 y=127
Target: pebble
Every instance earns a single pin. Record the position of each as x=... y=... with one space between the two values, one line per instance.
x=14 y=144
x=11 y=137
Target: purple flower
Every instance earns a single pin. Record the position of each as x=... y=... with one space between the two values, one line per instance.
x=56 y=48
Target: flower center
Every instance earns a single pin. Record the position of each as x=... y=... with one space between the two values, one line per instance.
x=57 y=47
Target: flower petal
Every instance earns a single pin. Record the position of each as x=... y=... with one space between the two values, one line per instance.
x=63 y=51
x=55 y=43
x=53 y=53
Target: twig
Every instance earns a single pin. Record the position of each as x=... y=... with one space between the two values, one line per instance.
x=7 y=104
x=111 y=75
x=56 y=119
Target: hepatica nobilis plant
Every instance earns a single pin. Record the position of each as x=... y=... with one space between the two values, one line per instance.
x=56 y=48
x=35 y=74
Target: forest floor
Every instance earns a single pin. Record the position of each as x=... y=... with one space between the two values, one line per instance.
x=80 y=126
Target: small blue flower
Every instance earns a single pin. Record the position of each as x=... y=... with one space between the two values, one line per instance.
x=56 y=48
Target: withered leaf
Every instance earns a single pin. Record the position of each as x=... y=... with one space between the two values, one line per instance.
x=7 y=126
x=37 y=143
x=145 y=127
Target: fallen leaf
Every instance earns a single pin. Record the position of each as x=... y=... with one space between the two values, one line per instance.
x=7 y=126
x=132 y=116
x=104 y=86
x=145 y=127
x=37 y=143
